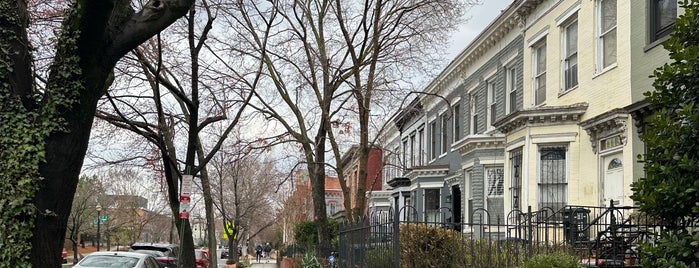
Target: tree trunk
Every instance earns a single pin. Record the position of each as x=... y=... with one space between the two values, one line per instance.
x=108 y=29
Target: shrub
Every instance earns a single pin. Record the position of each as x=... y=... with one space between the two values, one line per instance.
x=379 y=258
x=310 y=261
x=552 y=260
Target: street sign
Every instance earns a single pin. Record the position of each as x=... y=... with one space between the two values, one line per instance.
x=229 y=230
x=104 y=217
x=186 y=185
x=94 y=222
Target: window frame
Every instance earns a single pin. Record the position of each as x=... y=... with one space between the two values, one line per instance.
x=601 y=36
x=421 y=150
x=491 y=99
x=537 y=73
x=569 y=72
x=433 y=140
x=473 y=99
x=515 y=164
x=456 y=122
x=511 y=89
x=655 y=31
x=444 y=140
x=542 y=185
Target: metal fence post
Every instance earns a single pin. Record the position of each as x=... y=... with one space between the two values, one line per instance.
x=530 y=231
x=396 y=237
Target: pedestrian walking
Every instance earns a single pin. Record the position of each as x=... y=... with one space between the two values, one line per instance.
x=267 y=249
x=258 y=252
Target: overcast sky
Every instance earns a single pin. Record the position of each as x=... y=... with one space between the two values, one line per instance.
x=479 y=17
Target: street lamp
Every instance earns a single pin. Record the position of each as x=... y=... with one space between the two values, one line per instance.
x=99 y=210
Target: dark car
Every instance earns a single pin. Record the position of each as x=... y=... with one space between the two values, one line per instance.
x=165 y=254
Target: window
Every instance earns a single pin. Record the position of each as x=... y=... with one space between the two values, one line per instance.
x=663 y=14
x=469 y=195
x=539 y=58
x=511 y=85
x=405 y=154
x=495 y=191
x=421 y=150
x=570 y=53
x=474 y=114
x=433 y=140
x=516 y=178
x=412 y=150
x=445 y=131
x=552 y=178
x=491 y=112
x=456 y=114
x=432 y=205
x=606 y=30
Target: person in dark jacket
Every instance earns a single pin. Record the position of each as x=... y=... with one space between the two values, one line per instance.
x=258 y=252
x=267 y=249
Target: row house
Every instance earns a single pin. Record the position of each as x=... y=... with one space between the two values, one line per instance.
x=541 y=110
x=445 y=157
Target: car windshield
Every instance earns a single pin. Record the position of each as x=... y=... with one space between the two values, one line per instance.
x=109 y=261
x=198 y=254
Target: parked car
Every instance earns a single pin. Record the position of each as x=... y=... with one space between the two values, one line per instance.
x=64 y=255
x=117 y=259
x=203 y=258
x=167 y=254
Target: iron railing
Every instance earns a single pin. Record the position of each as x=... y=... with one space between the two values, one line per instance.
x=599 y=236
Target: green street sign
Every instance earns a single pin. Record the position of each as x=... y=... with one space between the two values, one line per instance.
x=104 y=217
x=94 y=222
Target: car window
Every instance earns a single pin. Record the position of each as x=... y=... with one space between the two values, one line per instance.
x=109 y=261
x=152 y=263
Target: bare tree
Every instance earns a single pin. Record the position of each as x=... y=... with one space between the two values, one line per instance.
x=55 y=115
x=83 y=211
x=322 y=56
x=174 y=102
x=245 y=180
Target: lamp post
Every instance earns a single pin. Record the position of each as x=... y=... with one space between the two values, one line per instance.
x=99 y=210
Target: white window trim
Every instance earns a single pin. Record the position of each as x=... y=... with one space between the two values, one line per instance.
x=599 y=42
x=534 y=60
x=564 y=51
x=509 y=66
x=572 y=10
x=455 y=123
x=444 y=141
x=473 y=110
x=491 y=99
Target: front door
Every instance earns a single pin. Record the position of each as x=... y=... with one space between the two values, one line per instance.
x=613 y=180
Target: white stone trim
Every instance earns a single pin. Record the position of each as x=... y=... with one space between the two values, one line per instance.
x=554 y=137
x=568 y=13
x=538 y=36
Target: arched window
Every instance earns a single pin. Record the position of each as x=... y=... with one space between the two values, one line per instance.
x=614 y=164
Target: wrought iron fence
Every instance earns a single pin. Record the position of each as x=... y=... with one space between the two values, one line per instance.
x=598 y=236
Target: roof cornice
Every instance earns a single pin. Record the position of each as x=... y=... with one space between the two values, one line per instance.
x=541 y=116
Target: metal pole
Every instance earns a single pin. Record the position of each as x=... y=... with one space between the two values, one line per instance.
x=99 y=210
x=98 y=230
x=396 y=233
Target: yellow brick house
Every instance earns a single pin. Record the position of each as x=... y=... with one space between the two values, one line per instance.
x=586 y=66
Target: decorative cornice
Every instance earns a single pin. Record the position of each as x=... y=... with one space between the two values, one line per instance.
x=605 y=125
x=541 y=116
x=428 y=171
x=455 y=179
x=479 y=142
x=639 y=111
x=399 y=182
x=484 y=41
